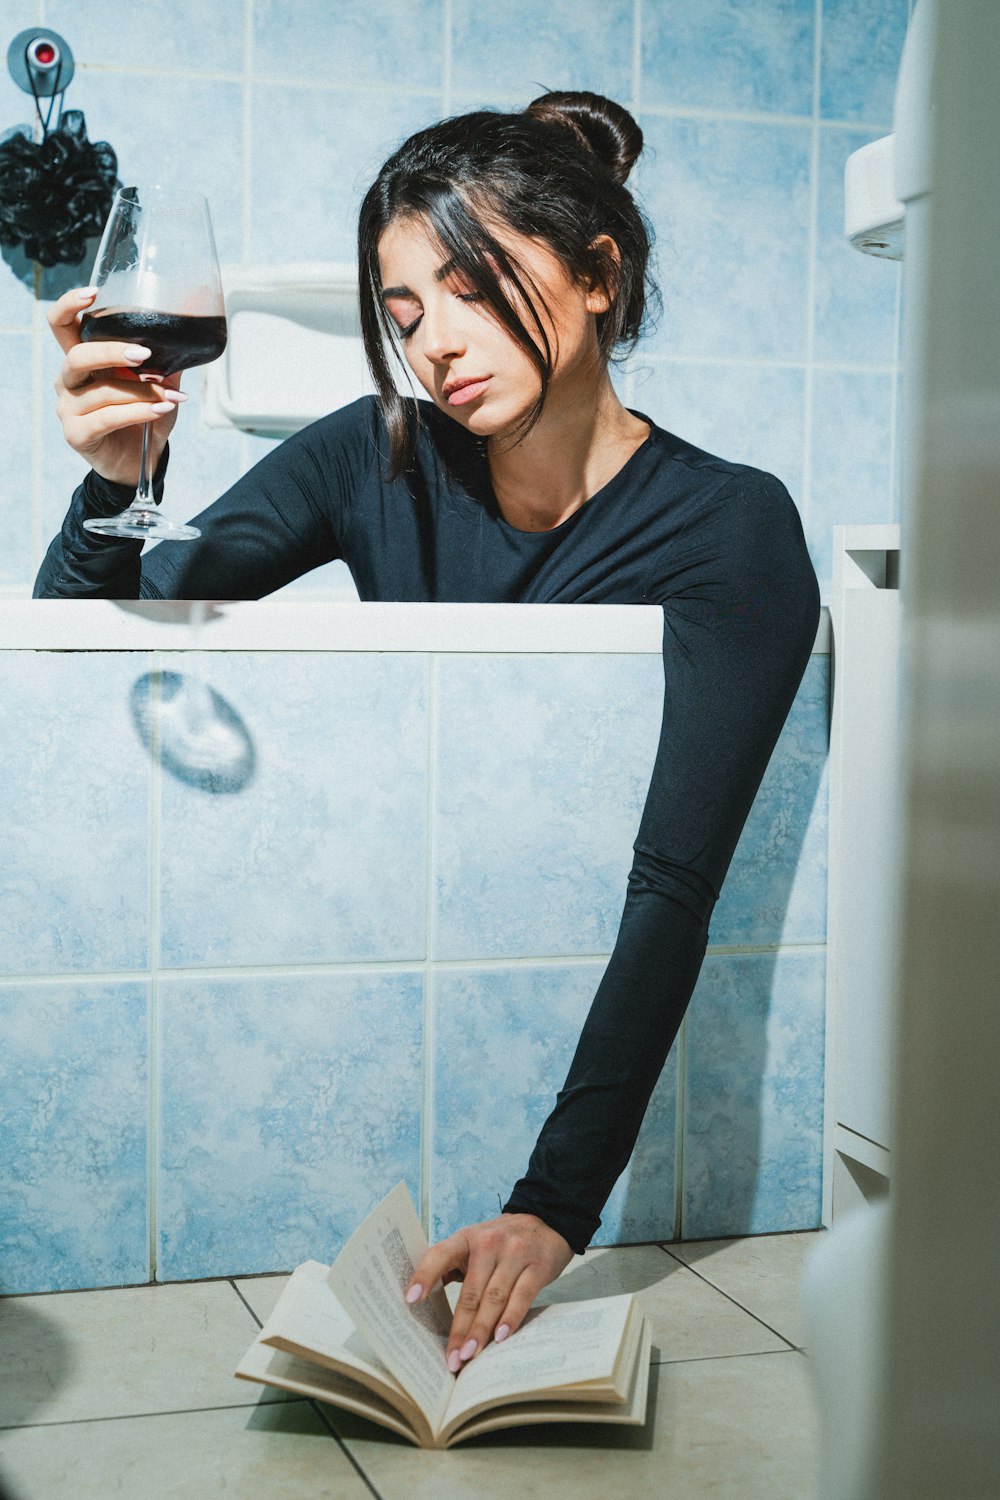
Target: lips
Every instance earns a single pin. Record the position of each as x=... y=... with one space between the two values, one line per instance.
x=458 y=392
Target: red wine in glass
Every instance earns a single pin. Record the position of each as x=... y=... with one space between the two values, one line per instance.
x=158 y=283
x=176 y=341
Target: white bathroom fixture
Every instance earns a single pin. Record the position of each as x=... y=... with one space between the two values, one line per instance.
x=294 y=350
x=873 y=216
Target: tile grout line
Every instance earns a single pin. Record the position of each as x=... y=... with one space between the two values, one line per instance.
x=498 y=98
x=326 y=1417
x=402 y=966
x=728 y=1296
x=180 y=1411
x=232 y=1282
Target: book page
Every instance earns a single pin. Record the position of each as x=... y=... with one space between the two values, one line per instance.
x=630 y=1412
x=309 y=1315
x=564 y=1344
x=369 y=1277
x=286 y=1373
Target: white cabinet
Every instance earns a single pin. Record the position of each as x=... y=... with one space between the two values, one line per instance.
x=864 y=782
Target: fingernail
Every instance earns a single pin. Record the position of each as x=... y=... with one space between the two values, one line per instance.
x=175 y=396
x=454 y=1361
x=87 y=295
x=135 y=354
x=416 y=1290
x=162 y=407
x=501 y=1333
x=468 y=1349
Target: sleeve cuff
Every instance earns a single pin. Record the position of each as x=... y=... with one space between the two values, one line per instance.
x=103 y=497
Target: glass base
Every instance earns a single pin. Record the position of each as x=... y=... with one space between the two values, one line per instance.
x=140 y=521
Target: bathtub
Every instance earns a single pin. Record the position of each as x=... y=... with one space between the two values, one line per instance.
x=235 y=1009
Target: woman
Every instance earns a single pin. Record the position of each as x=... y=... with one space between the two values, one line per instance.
x=505 y=257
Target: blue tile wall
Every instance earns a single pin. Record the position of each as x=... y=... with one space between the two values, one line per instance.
x=753 y=1130
x=775 y=891
x=754 y=55
x=503 y=1041
x=571 y=46
x=752 y=413
x=862 y=43
x=288 y=1108
x=16 y=446
x=540 y=868
x=321 y=856
x=851 y=478
x=855 y=295
x=733 y=199
x=73 y=1111
x=359 y=41
x=74 y=809
x=344 y=136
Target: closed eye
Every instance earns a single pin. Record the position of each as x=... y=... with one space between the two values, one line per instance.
x=410 y=328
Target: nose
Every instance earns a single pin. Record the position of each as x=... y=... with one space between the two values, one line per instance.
x=443 y=339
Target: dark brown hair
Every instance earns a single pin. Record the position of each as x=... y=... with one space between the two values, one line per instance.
x=554 y=172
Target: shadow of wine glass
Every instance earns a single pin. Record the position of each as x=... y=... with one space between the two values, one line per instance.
x=197 y=736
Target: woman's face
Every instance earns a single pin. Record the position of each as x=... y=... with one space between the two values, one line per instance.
x=468 y=364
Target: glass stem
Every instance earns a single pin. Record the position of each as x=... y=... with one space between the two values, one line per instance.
x=144 y=493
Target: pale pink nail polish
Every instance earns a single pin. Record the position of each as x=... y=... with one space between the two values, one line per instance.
x=454 y=1361
x=468 y=1349
x=416 y=1290
x=502 y=1332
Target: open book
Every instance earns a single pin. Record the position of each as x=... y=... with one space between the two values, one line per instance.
x=344 y=1334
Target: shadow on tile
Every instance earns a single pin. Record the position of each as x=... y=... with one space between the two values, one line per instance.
x=33 y=1341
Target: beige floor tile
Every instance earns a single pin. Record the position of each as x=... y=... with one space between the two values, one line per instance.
x=262 y=1292
x=690 y=1319
x=732 y=1428
x=270 y=1452
x=123 y=1351
x=763 y=1273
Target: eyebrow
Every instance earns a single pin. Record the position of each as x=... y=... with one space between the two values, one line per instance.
x=441 y=274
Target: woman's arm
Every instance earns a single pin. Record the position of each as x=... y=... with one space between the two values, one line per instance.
x=739 y=626
x=736 y=642
x=283 y=518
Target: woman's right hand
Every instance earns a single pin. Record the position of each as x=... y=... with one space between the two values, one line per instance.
x=101 y=406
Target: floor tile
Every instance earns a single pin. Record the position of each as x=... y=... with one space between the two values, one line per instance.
x=763 y=1273
x=278 y=1451
x=690 y=1319
x=740 y=1427
x=262 y=1292
x=121 y=1352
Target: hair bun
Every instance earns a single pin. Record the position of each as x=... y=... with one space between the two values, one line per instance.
x=600 y=124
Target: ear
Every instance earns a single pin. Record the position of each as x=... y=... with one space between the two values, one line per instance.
x=602 y=287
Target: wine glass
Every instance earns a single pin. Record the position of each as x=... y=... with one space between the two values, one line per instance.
x=159 y=285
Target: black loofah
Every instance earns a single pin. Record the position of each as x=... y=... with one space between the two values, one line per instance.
x=55 y=194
